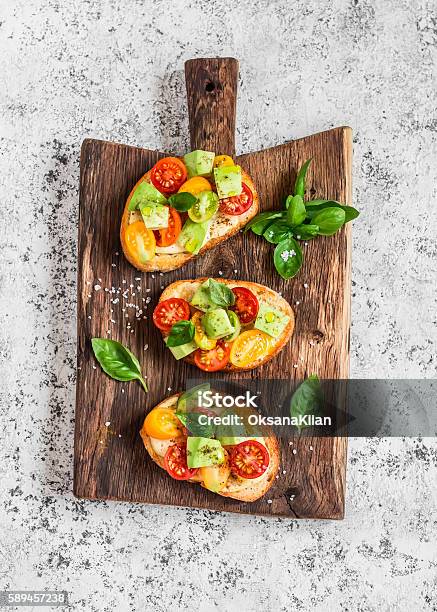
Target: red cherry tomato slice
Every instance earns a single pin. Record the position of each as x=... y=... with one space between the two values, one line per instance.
x=214 y=359
x=168 y=174
x=168 y=312
x=249 y=459
x=246 y=305
x=167 y=236
x=237 y=205
x=175 y=462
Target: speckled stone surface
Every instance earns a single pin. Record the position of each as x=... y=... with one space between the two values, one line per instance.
x=114 y=70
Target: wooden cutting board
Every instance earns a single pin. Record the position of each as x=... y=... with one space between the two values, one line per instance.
x=109 y=460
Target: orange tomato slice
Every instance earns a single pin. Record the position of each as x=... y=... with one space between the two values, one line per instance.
x=140 y=242
x=162 y=424
x=195 y=185
x=223 y=160
x=250 y=346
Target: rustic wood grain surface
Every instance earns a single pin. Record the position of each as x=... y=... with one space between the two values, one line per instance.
x=110 y=461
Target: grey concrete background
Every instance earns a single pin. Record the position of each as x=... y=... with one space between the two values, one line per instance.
x=113 y=70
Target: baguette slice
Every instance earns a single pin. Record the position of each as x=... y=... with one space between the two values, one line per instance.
x=222 y=228
x=186 y=288
x=236 y=488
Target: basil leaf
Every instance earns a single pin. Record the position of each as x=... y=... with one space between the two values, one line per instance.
x=117 y=360
x=259 y=224
x=277 y=231
x=182 y=201
x=299 y=185
x=307 y=400
x=220 y=294
x=329 y=220
x=288 y=258
x=180 y=333
x=189 y=400
x=306 y=232
x=315 y=206
x=296 y=212
x=188 y=411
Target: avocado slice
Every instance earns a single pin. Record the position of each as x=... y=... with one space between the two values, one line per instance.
x=228 y=181
x=146 y=192
x=193 y=235
x=199 y=163
x=200 y=298
x=181 y=351
x=270 y=320
x=235 y=322
x=202 y=452
x=155 y=216
x=216 y=323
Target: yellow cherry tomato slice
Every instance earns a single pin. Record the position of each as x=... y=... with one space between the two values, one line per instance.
x=215 y=477
x=223 y=160
x=250 y=346
x=163 y=424
x=195 y=185
x=200 y=338
x=140 y=242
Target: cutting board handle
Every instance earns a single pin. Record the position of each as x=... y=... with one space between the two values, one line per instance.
x=212 y=101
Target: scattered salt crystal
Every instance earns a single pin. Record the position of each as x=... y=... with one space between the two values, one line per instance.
x=97 y=287
x=124 y=282
x=297 y=302
x=108 y=423
x=220 y=273
x=138 y=288
x=119 y=435
x=89 y=316
x=294 y=451
x=89 y=294
x=235 y=271
x=295 y=365
x=311 y=448
x=284 y=471
x=305 y=285
x=100 y=280
x=122 y=390
x=112 y=321
x=146 y=347
x=117 y=253
x=269 y=501
x=94 y=367
x=113 y=265
x=153 y=276
x=147 y=290
x=138 y=278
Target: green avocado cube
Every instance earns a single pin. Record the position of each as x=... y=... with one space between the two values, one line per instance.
x=181 y=351
x=228 y=181
x=200 y=298
x=199 y=163
x=216 y=323
x=146 y=192
x=270 y=320
x=202 y=452
x=155 y=216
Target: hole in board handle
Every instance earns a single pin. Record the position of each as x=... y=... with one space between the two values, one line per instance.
x=210 y=86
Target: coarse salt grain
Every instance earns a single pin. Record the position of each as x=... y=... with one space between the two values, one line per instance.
x=108 y=423
x=97 y=287
x=305 y=285
x=269 y=501
x=294 y=451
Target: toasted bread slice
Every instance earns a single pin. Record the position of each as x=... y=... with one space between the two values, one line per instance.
x=173 y=257
x=246 y=490
x=186 y=288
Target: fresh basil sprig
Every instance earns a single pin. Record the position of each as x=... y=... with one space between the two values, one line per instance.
x=299 y=221
x=307 y=399
x=288 y=257
x=117 y=360
x=220 y=294
x=182 y=201
x=181 y=333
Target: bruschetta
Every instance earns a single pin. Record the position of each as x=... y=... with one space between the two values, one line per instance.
x=241 y=468
x=220 y=324
x=183 y=207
